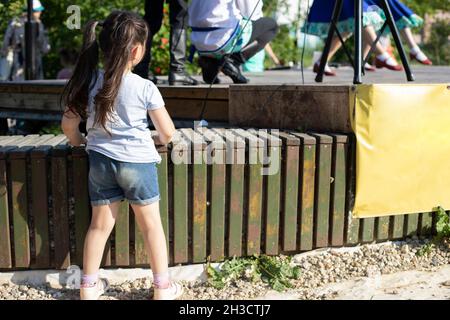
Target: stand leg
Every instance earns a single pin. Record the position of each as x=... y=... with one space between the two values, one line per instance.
x=326 y=50
x=358 y=42
x=396 y=36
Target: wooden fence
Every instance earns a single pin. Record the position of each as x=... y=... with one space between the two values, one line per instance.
x=219 y=208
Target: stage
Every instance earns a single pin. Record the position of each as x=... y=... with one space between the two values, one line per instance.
x=273 y=99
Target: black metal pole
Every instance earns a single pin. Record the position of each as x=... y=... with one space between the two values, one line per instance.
x=358 y=42
x=398 y=42
x=31 y=28
x=326 y=50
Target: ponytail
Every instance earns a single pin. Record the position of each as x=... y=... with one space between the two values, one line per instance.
x=76 y=92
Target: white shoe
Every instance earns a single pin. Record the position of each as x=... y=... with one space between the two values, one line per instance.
x=93 y=293
x=174 y=291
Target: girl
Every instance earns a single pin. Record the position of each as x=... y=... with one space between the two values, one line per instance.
x=405 y=19
x=223 y=37
x=318 y=24
x=122 y=154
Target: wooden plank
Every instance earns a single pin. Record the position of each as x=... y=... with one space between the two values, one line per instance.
x=272 y=196
x=81 y=206
x=217 y=209
x=237 y=183
x=39 y=209
x=307 y=187
x=20 y=202
x=352 y=225
x=291 y=160
x=60 y=207
x=216 y=110
x=163 y=180
x=180 y=202
x=322 y=194
x=122 y=236
x=254 y=194
x=199 y=210
x=412 y=224
x=367 y=229
x=5 y=247
x=338 y=187
x=426 y=223
x=398 y=226
x=382 y=228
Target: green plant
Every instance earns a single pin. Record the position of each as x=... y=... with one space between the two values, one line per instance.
x=442 y=224
x=275 y=271
x=425 y=249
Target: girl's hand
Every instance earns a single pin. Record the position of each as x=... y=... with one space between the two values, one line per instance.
x=69 y=124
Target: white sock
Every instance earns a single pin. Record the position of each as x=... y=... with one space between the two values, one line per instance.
x=418 y=53
x=385 y=57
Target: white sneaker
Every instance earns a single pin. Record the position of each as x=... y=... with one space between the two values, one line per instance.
x=93 y=293
x=174 y=291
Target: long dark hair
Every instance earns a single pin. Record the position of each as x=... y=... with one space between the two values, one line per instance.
x=120 y=32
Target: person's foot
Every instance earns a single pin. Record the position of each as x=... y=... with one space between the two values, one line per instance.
x=174 y=291
x=94 y=292
x=386 y=61
x=418 y=55
x=181 y=78
x=327 y=70
x=232 y=69
x=369 y=67
x=210 y=69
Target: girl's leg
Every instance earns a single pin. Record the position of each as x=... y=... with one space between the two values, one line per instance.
x=149 y=222
x=102 y=223
x=407 y=34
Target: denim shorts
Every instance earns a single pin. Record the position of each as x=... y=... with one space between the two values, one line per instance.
x=111 y=180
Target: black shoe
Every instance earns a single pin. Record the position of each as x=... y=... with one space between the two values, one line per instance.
x=181 y=78
x=232 y=69
x=210 y=69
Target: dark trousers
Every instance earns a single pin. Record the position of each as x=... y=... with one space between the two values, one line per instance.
x=154 y=13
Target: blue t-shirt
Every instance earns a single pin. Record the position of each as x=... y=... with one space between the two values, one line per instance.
x=130 y=139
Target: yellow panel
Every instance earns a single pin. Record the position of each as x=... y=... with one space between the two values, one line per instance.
x=403 y=148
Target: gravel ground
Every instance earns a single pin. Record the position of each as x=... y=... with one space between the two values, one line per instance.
x=318 y=270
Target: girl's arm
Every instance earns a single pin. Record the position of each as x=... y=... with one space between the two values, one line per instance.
x=163 y=124
x=69 y=124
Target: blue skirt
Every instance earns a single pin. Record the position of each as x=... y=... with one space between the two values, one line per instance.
x=404 y=17
x=321 y=11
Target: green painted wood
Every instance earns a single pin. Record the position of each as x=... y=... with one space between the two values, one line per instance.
x=412 y=224
x=382 y=228
x=180 y=206
x=20 y=213
x=398 y=226
x=352 y=225
x=338 y=190
x=307 y=205
x=39 y=210
x=273 y=205
x=60 y=207
x=199 y=174
x=322 y=193
x=290 y=199
x=426 y=224
x=5 y=247
x=367 y=229
x=236 y=206
x=254 y=204
x=218 y=189
x=122 y=236
x=81 y=206
x=106 y=259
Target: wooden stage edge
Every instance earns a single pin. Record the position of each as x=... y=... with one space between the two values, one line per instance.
x=310 y=107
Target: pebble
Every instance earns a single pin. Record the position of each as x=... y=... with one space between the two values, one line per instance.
x=316 y=270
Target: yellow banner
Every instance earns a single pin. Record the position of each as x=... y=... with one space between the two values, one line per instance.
x=403 y=148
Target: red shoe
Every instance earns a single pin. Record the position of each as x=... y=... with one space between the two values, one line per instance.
x=327 y=73
x=426 y=62
x=382 y=64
